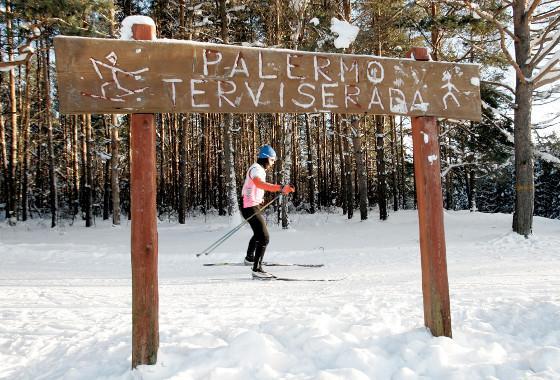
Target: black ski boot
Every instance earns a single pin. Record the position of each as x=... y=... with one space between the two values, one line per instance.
x=258 y=272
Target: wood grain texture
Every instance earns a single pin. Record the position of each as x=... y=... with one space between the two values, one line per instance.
x=427 y=169
x=144 y=236
x=116 y=76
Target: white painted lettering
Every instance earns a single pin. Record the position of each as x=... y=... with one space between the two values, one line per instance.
x=326 y=95
x=281 y=94
x=397 y=101
x=173 y=92
x=239 y=60
x=344 y=68
x=348 y=96
x=195 y=92
x=261 y=74
x=206 y=62
x=310 y=96
x=290 y=66
x=418 y=103
x=318 y=68
x=375 y=99
x=221 y=93
x=375 y=72
x=256 y=98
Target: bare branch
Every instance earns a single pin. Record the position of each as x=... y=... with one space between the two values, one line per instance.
x=25 y=50
x=546 y=14
x=547 y=80
x=546 y=45
x=501 y=29
x=453 y=166
x=500 y=85
x=534 y=4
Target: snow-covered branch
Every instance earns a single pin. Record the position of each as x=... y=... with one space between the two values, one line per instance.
x=25 y=50
x=458 y=165
x=546 y=46
x=547 y=157
x=499 y=84
x=542 y=77
x=501 y=29
x=542 y=155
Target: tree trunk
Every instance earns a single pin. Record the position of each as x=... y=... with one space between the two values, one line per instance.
x=183 y=125
x=88 y=188
x=115 y=188
x=394 y=185
x=162 y=164
x=523 y=145
x=380 y=163
x=449 y=178
x=75 y=166
x=348 y=170
x=360 y=169
x=342 y=189
x=310 y=175
x=53 y=195
x=4 y=156
x=107 y=171
x=285 y=144
x=25 y=161
x=403 y=165
x=294 y=172
x=13 y=161
x=222 y=191
x=229 y=166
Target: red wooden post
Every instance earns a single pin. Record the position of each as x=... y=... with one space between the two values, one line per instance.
x=144 y=238
x=435 y=287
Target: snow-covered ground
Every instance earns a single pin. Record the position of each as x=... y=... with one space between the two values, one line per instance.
x=65 y=301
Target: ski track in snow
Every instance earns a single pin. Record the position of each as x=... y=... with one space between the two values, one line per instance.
x=65 y=302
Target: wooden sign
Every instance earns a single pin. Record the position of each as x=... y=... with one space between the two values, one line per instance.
x=118 y=76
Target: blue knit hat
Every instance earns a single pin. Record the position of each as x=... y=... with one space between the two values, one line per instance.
x=266 y=151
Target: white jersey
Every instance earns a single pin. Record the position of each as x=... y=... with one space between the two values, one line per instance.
x=252 y=195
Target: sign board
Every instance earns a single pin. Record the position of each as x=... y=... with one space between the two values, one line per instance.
x=122 y=76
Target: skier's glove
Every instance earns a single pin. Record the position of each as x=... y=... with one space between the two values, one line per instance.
x=287 y=189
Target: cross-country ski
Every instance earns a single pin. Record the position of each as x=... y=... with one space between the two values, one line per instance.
x=265 y=263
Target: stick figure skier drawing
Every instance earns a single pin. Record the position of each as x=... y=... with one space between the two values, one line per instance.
x=109 y=73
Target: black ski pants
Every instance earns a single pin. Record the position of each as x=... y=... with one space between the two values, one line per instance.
x=260 y=239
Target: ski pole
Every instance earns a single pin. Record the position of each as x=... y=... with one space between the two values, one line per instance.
x=230 y=233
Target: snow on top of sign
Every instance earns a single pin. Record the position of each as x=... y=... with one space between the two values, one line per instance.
x=347 y=33
x=314 y=21
x=126 y=25
x=253 y=44
x=271 y=48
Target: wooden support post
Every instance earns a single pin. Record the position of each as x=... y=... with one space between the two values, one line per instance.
x=427 y=171
x=144 y=238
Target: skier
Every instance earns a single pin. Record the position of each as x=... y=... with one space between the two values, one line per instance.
x=253 y=195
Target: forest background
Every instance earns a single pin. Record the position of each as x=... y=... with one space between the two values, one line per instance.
x=76 y=167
